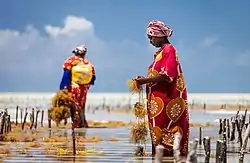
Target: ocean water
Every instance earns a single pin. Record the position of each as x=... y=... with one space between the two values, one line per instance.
x=123 y=100
x=200 y=117
x=122 y=150
x=114 y=99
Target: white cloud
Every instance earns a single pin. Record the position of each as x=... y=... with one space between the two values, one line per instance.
x=38 y=58
x=33 y=61
x=72 y=26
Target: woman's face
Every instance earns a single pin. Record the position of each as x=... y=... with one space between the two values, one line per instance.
x=82 y=55
x=155 y=41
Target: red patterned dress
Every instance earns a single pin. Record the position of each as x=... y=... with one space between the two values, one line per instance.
x=82 y=72
x=167 y=102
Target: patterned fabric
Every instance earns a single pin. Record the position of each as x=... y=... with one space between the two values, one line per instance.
x=157 y=28
x=79 y=94
x=79 y=91
x=73 y=61
x=80 y=49
x=167 y=102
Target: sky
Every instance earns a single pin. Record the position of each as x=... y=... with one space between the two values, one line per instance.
x=212 y=39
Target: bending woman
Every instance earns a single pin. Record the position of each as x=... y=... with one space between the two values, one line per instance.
x=166 y=92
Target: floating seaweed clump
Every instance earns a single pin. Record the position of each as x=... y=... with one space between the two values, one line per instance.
x=134 y=87
x=5 y=149
x=68 y=151
x=56 y=139
x=113 y=139
x=16 y=136
x=61 y=104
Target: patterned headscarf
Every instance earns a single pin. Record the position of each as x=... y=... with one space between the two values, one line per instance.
x=157 y=28
x=80 y=49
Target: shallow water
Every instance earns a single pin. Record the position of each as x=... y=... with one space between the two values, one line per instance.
x=196 y=116
x=120 y=151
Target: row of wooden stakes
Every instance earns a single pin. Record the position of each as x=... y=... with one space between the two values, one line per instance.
x=5 y=119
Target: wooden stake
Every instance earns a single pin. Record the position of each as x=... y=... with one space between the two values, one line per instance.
x=243 y=148
x=37 y=112
x=207 y=148
x=239 y=132
x=228 y=129
x=42 y=118
x=2 y=124
x=219 y=152
x=200 y=136
x=221 y=127
x=21 y=111
x=233 y=131
x=72 y=113
x=32 y=118
x=49 y=118
x=24 y=120
x=17 y=115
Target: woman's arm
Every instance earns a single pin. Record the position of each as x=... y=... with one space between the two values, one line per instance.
x=65 y=79
x=92 y=82
x=153 y=80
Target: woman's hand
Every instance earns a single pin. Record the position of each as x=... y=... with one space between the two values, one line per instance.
x=139 y=80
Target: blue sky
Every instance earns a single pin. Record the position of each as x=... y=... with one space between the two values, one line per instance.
x=212 y=38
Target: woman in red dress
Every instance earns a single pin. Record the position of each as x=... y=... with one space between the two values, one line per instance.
x=166 y=92
x=78 y=76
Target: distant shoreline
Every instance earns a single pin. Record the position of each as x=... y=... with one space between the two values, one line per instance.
x=213 y=101
x=126 y=92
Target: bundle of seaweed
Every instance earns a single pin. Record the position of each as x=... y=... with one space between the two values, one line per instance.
x=139 y=110
x=139 y=130
x=139 y=133
x=134 y=87
x=61 y=104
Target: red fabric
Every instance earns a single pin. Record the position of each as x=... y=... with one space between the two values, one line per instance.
x=79 y=92
x=79 y=95
x=167 y=102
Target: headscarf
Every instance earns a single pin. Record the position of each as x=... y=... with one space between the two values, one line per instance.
x=80 y=49
x=157 y=28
